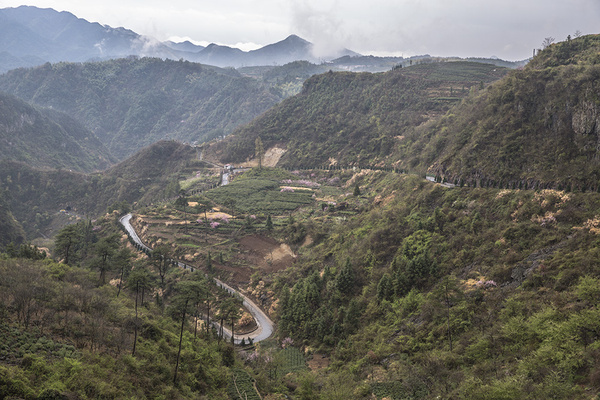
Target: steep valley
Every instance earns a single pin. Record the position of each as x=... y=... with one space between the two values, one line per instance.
x=428 y=232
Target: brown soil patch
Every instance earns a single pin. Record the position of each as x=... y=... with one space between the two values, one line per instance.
x=307 y=241
x=272 y=156
x=266 y=253
x=253 y=253
x=217 y=215
x=318 y=362
x=296 y=188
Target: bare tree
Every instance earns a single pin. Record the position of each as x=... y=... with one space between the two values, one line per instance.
x=547 y=42
x=577 y=33
x=189 y=293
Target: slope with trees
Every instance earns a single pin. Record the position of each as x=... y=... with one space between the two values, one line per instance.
x=356 y=118
x=131 y=103
x=35 y=196
x=45 y=138
x=410 y=289
x=537 y=126
x=67 y=334
x=433 y=292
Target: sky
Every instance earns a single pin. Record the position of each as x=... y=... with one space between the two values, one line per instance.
x=508 y=29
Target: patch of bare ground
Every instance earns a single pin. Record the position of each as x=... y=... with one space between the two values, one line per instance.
x=266 y=253
x=318 y=362
x=270 y=158
x=242 y=257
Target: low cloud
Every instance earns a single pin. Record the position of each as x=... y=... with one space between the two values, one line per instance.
x=320 y=25
x=146 y=46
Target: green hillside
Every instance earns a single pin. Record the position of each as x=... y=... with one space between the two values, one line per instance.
x=537 y=126
x=45 y=138
x=131 y=103
x=11 y=230
x=67 y=333
x=434 y=292
x=357 y=118
x=407 y=288
x=36 y=196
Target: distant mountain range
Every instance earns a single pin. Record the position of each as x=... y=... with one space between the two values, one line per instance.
x=31 y=36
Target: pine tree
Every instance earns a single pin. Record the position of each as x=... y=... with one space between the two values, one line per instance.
x=259 y=151
x=345 y=279
x=384 y=288
x=209 y=265
x=66 y=242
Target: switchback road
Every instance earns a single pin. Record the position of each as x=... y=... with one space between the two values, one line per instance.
x=263 y=322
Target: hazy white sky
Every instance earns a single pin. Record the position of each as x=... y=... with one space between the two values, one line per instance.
x=509 y=29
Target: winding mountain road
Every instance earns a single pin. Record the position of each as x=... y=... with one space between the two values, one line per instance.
x=264 y=324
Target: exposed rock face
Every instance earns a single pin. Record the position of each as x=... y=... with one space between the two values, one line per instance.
x=586 y=126
x=586 y=119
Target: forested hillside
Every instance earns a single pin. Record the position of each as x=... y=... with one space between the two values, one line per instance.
x=356 y=119
x=537 y=126
x=45 y=138
x=35 y=196
x=11 y=230
x=434 y=292
x=95 y=326
x=131 y=103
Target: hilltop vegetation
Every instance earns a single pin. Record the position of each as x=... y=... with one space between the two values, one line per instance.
x=539 y=125
x=356 y=118
x=131 y=103
x=45 y=138
x=411 y=289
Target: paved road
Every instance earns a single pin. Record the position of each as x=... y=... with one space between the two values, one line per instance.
x=263 y=322
x=444 y=184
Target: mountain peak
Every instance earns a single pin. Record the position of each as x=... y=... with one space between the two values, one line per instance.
x=295 y=38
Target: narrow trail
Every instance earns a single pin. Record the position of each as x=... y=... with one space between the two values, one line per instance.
x=265 y=325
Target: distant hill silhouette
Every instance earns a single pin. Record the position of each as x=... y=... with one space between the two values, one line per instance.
x=31 y=36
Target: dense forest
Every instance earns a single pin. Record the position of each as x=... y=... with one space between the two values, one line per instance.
x=131 y=103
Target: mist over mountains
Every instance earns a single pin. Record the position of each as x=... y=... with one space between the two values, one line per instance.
x=31 y=36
